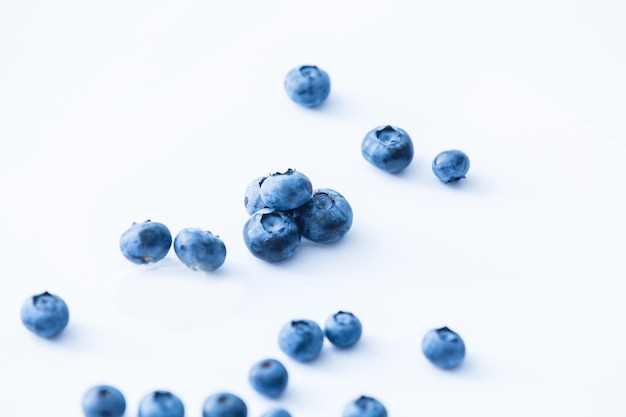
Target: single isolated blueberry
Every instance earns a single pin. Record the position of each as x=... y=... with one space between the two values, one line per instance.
x=343 y=329
x=269 y=377
x=286 y=190
x=45 y=314
x=161 y=404
x=224 y=404
x=388 y=148
x=301 y=340
x=271 y=235
x=365 y=407
x=199 y=249
x=443 y=348
x=146 y=242
x=104 y=401
x=252 y=198
x=276 y=412
x=450 y=166
x=307 y=85
x=326 y=217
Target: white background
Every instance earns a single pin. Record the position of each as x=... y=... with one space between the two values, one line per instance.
x=114 y=112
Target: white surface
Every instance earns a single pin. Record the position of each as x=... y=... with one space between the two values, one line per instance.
x=165 y=110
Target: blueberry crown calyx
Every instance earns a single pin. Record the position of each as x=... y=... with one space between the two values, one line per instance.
x=288 y=172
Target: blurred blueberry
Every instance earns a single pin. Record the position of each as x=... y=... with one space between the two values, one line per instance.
x=271 y=235
x=307 y=85
x=286 y=190
x=161 y=404
x=104 y=401
x=443 y=348
x=252 y=199
x=301 y=340
x=199 y=249
x=269 y=377
x=343 y=329
x=326 y=217
x=146 y=242
x=365 y=407
x=276 y=412
x=224 y=404
x=45 y=314
x=388 y=148
x=451 y=165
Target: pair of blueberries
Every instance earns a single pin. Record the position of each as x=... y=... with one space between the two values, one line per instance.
x=302 y=340
x=390 y=148
x=284 y=207
x=386 y=147
x=149 y=242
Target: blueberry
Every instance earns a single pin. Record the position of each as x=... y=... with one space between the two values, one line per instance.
x=146 y=242
x=224 y=404
x=451 y=165
x=443 y=348
x=286 y=190
x=365 y=407
x=104 y=401
x=252 y=199
x=45 y=314
x=326 y=217
x=301 y=340
x=199 y=249
x=388 y=148
x=343 y=329
x=161 y=404
x=276 y=412
x=307 y=85
x=269 y=377
x=271 y=235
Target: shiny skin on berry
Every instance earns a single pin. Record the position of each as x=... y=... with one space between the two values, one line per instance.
x=301 y=340
x=326 y=217
x=224 y=404
x=103 y=401
x=444 y=348
x=286 y=190
x=271 y=235
x=307 y=85
x=161 y=404
x=389 y=148
x=45 y=314
x=343 y=329
x=146 y=242
x=451 y=165
x=365 y=406
x=269 y=377
x=199 y=249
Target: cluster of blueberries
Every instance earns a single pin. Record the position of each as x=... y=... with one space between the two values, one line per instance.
x=389 y=148
x=284 y=207
x=46 y=315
